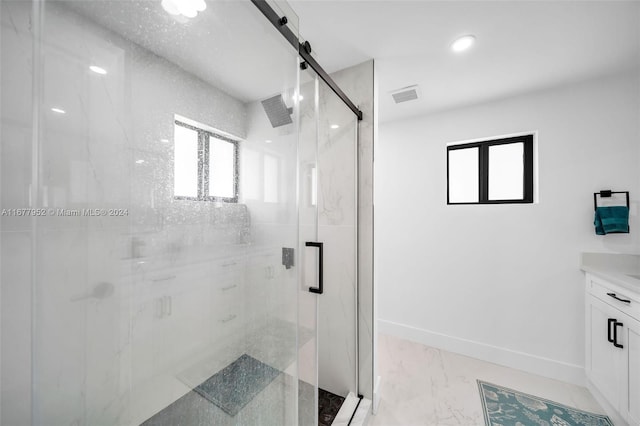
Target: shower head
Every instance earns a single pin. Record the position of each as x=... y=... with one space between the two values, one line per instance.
x=277 y=111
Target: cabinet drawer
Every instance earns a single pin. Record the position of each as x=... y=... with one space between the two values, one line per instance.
x=623 y=300
x=227 y=325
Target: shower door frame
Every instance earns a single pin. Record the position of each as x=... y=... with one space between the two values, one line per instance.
x=304 y=50
x=321 y=235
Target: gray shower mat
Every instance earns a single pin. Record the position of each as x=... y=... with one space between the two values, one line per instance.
x=237 y=384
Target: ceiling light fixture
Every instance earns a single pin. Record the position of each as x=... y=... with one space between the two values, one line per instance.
x=139 y=161
x=188 y=8
x=334 y=126
x=268 y=141
x=463 y=43
x=98 y=70
x=58 y=110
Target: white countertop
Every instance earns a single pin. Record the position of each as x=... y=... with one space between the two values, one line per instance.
x=615 y=268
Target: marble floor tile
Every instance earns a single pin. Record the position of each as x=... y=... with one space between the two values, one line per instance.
x=431 y=387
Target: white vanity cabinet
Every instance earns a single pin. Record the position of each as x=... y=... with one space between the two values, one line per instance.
x=632 y=336
x=613 y=345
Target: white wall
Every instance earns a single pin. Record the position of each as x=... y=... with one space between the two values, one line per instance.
x=502 y=282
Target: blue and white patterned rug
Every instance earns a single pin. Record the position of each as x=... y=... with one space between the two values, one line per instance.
x=508 y=407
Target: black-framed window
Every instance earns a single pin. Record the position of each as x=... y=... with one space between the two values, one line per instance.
x=205 y=165
x=496 y=171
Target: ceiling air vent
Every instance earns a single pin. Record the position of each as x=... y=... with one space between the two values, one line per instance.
x=405 y=94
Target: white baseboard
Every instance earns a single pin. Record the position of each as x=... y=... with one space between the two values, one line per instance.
x=546 y=367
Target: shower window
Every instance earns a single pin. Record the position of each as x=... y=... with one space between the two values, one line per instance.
x=205 y=165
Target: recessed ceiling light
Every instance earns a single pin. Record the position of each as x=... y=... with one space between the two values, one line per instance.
x=58 y=110
x=334 y=126
x=188 y=8
x=463 y=43
x=164 y=140
x=98 y=70
x=139 y=161
x=268 y=141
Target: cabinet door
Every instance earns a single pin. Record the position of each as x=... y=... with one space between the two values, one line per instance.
x=632 y=337
x=606 y=368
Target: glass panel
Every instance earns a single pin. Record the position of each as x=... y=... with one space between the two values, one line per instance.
x=337 y=228
x=506 y=171
x=221 y=168
x=314 y=186
x=185 y=162
x=250 y=184
x=271 y=181
x=140 y=310
x=463 y=175
x=308 y=302
x=328 y=181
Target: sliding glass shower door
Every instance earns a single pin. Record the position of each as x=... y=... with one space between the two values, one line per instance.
x=328 y=244
x=156 y=281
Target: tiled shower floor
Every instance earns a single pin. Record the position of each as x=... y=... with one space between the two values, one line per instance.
x=269 y=407
x=328 y=406
x=266 y=408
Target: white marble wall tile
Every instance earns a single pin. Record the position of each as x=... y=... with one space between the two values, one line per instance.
x=358 y=83
x=16 y=294
x=337 y=314
x=337 y=214
x=15 y=247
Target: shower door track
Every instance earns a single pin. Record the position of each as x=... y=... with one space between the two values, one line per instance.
x=304 y=49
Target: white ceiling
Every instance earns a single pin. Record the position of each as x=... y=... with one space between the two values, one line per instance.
x=521 y=46
x=230 y=45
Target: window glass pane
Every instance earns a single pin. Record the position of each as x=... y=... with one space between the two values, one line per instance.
x=221 y=168
x=270 y=179
x=185 y=176
x=506 y=171
x=463 y=175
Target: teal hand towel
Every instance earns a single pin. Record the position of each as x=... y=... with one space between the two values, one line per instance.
x=611 y=219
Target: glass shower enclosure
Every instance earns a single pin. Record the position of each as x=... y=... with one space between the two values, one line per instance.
x=328 y=217
x=162 y=169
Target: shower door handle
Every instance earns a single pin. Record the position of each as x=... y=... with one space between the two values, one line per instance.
x=319 y=289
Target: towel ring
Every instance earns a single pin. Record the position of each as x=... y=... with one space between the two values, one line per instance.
x=606 y=193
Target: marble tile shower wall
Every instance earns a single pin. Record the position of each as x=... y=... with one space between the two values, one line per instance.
x=359 y=84
x=337 y=191
x=268 y=189
x=130 y=311
x=15 y=239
